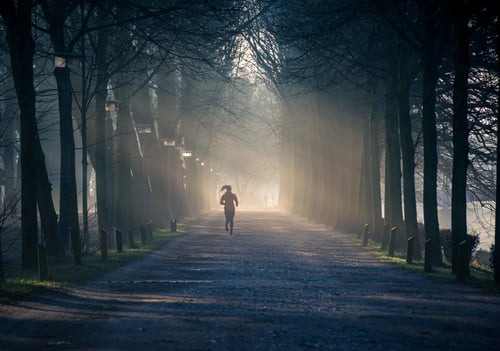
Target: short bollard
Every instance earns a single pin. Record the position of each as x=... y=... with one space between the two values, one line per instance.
x=118 y=238
x=392 y=242
x=173 y=225
x=462 y=261
x=42 y=263
x=104 y=245
x=428 y=256
x=409 y=250
x=365 y=235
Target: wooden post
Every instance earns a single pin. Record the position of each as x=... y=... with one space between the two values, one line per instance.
x=365 y=235
x=409 y=250
x=462 y=261
x=428 y=256
x=392 y=242
x=118 y=237
x=42 y=263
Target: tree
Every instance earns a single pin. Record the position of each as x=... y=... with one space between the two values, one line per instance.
x=496 y=252
x=460 y=19
x=17 y=18
x=407 y=149
x=56 y=13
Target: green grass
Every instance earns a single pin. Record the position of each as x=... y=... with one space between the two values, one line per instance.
x=21 y=284
x=480 y=276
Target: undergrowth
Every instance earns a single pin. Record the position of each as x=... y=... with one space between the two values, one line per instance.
x=480 y=276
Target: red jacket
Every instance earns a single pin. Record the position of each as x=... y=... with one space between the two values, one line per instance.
x=229 y=200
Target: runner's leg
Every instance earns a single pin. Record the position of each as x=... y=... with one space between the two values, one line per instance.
x=231 y=223
x=226 y=214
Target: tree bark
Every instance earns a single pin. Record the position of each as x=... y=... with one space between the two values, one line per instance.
x=460 y=137
x=496 y=252
x=125 y=217
x=430 y=58
x=48 y=215
x=408 y=153
x=21 y=44
x=68 y=211
x=100 y=130
x=377 y=224
x=393 y=153
x=55 y=15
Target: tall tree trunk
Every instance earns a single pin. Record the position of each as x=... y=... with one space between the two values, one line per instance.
x=393 y=154
x=311 y=161
x=100 y=130
x=299 y=161
x=54 y=12
x=9 y=141
x=460 y=138
x=317 y=157
x=48 y=215
x=21 y=44
x=407 y=152
x=431 y=223
x=68 y=210
x=325 y=135
x=430 y=58
x=125 y=217
x=374 y=167
x=496 y=252
x=286 y=161
x=365 y=214
x=352 y=175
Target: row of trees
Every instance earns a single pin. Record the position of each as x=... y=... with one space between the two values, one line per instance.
x=152 y=58
x=413 y=81
x=378 y=101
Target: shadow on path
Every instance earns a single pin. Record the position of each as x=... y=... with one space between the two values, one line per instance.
x=277 y=283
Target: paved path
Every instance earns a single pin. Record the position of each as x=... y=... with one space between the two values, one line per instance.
x=278 y=283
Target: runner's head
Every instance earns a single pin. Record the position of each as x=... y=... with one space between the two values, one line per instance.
x=226 y=187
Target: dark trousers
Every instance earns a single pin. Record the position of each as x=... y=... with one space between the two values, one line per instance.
x=229 y=217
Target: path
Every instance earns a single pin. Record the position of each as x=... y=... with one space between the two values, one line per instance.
x=278 y=283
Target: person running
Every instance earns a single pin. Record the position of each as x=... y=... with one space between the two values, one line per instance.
x=229 y=200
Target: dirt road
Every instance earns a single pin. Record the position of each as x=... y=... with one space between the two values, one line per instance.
x=278 y=283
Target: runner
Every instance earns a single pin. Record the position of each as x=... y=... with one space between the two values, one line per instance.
x=229 y=200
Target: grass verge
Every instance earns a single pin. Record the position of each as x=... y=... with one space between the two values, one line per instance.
x=480 y=276
x=20 y=284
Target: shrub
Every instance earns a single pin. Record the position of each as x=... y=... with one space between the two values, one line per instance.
x=482 y=257
x=446 y=236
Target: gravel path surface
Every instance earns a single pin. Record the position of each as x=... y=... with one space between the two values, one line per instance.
x=277 y=283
